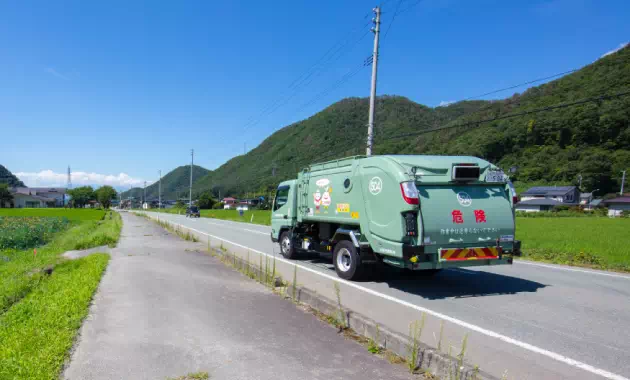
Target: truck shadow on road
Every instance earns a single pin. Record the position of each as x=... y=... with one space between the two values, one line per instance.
x=459 y=283
x=449 y=283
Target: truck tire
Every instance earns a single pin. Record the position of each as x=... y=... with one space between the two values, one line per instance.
x=287 y=248
x=347 y=261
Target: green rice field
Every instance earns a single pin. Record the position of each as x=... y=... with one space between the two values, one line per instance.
x=69 y=213
x=602 y=243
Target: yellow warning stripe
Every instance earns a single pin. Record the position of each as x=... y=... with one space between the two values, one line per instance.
x=468 y=253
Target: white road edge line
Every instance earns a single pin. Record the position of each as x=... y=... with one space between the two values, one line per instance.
x=481 y=330
x=572 y=270
x=554 y=267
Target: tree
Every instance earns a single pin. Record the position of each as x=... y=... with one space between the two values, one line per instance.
x=81 y=195
x=205 y=200
x=105 y=194
x=5 y=195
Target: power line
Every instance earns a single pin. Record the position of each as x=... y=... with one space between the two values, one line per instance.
x=477 y=123
x=288 y=99
x=528 y=82
x=393 y=18
x=411 y=6
x=346 y=77
x=332 y=54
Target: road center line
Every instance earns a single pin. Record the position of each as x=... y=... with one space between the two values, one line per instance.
x=481 y=330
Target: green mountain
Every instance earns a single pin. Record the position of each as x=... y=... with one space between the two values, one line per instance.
x=174 y=184
x=590 y=138
x=7 y=177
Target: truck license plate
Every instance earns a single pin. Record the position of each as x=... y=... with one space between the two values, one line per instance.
x=495 y=176
x=455 y=254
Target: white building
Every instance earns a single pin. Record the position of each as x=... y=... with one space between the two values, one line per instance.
x=29 y=197
x=617 y=205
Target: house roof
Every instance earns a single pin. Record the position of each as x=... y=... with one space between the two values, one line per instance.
x=596 y=202
x=540 y=202
x=40 y=190
x=586 y=195
x=39 y=198
x=229 y=199
x=549 y=190
x=623 y=199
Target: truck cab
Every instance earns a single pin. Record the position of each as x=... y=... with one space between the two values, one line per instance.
x=283 y=215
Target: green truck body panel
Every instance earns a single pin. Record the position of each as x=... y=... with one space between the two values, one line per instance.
x=364 y=194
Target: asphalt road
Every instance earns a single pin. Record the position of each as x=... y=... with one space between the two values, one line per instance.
x=532 y=320
x=165 y=308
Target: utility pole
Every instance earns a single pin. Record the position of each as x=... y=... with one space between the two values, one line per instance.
x=192 y=157
x=376 y=29
x=160 y=191
x=144 y=195
x=580 y=182
x=623 y=179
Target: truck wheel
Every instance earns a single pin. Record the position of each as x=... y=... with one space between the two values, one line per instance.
x=287 y=249
x=347 y=261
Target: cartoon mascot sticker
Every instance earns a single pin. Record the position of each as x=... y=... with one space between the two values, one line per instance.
x=324 y=199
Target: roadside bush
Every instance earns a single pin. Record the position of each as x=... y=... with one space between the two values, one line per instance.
x=218 y=206
x=564 y=214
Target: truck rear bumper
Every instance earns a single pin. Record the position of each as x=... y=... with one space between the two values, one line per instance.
x=505 y=260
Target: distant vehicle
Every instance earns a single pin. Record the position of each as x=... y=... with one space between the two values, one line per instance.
x=192 y=212
x=420 y=213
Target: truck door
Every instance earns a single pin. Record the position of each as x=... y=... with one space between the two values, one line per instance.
x=466 y=215
x=283 y=208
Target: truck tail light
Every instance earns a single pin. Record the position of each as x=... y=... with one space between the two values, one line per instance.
x=410 y=193
x=514 y=200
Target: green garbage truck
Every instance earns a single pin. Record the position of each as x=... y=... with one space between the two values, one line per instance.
x=416 y=212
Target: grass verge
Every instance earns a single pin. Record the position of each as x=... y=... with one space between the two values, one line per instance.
x=38 y=332
x=601 y=243
x=21 y=271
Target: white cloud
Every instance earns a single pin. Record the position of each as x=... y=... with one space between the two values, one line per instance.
x=621 y=46
x=445 y=103
x=49 y=178
x=54 y=72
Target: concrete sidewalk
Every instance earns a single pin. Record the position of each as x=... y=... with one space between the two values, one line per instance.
x=165 y=308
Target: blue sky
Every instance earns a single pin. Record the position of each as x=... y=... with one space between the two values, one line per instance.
x=120 y=89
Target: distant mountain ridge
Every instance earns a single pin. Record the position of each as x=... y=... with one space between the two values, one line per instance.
x=175 y=184
x=591 y=139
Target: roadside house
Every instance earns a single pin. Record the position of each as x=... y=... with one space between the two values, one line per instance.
x=229 y=203
x=544 y=198
x=29 y=197
x=617 y=205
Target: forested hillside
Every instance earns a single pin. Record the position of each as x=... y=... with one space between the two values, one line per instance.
x=174 y=183
x=591 y=139
x=8 y=178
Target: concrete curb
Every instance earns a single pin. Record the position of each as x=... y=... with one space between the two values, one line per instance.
x=429 y=359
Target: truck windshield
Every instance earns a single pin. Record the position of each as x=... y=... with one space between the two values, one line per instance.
x=282 y=195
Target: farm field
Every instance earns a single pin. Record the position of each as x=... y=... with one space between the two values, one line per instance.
x=70 y=213
x=44 y=297
x=602 y=243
